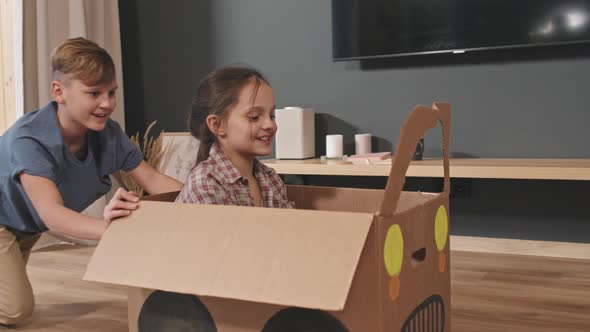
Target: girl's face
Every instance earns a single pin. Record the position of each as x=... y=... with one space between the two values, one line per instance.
x=250 y=127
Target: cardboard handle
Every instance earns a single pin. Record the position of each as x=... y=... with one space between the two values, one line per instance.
x=420 y=120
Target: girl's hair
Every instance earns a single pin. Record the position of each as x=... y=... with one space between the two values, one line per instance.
x=216 y=94
x=85 y=60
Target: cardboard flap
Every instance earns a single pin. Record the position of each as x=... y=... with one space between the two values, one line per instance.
x=420 y=120
x=279 y=256
x=335 y=199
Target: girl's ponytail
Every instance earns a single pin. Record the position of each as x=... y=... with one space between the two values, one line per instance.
x=206 y=141
x=198 y=121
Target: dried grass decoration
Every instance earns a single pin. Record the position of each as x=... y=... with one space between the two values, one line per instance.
x=152 y=154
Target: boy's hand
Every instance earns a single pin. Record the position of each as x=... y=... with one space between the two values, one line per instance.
x=121 y=204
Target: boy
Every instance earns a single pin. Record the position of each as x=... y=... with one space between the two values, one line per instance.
x=57 y=160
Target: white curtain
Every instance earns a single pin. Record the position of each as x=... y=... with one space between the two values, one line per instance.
x=11 y=73
x=46 y=24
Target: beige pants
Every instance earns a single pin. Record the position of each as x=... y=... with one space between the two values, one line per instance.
x=16 y=294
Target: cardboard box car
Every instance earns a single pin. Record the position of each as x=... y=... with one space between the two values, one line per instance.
x=345 y=260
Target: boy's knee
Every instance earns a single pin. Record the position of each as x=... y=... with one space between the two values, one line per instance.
x=18 y=311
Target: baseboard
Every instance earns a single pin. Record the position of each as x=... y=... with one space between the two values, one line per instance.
x=521 y=247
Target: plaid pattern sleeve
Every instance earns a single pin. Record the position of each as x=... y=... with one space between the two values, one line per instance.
x=217 y=181
x=285 y=202
x=274 y=190
x=202 y=188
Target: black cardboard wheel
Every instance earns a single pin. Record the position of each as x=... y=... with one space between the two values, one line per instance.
x=303 y=320
x=165 y=311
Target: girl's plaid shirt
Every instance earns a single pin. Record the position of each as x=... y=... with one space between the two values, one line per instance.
x=217 y=181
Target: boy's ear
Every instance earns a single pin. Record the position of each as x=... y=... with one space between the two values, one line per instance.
x=215 y=124
x=57 y=92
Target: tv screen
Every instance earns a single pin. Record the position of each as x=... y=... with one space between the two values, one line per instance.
x=384 y=28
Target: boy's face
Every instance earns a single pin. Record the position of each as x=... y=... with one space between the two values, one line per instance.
x=83 y=106
x=250 y=126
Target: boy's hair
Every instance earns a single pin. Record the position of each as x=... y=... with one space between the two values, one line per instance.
x=216 y=94
x=84 y=60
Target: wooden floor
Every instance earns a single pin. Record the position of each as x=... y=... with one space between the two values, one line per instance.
x=490 y=292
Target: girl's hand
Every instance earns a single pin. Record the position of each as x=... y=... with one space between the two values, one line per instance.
x=120 y=205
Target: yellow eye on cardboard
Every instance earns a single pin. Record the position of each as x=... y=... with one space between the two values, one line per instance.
x=441 y=228
x=441 y=233
x=393 y=255
x=393 y=250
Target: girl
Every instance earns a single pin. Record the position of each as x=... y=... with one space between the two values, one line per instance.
x=233 y=118
x=57 y=160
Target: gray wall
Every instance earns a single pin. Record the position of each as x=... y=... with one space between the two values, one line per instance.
x=526 y=103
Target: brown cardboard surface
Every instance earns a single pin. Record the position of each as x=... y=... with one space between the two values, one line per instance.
x=135 y=298
x=414 y=128
x=363 y=307
x=335 y=252
x=409 y=200
x=335 y=199
x=418 y=280
x=290 y=257
x=423 y=300
x=164 y=197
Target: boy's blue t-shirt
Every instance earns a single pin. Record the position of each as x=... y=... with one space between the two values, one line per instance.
x=34 y=145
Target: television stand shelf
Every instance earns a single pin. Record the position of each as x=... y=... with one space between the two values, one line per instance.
x=476 y=168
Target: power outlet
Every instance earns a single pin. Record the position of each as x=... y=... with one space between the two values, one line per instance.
x=460 y=188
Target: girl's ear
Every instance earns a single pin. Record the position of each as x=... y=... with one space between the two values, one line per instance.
x=57 y=92
x=215 y=124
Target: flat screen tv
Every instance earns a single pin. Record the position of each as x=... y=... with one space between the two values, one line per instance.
x=384 y=28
